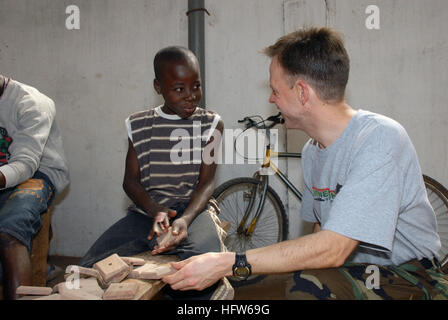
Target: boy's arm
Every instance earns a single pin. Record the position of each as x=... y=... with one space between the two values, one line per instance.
x=201 y=194
x=133 y=188
x=206 y=185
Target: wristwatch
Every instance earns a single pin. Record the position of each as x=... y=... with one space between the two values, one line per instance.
x=241 y=269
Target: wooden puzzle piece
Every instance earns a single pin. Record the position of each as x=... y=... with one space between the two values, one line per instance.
x=166 y=238
x=112 y=268
x=83 y=289
x=151 y=271
x=55 y=296
x=83 y=272
x=87 y=284
x=34 y=291
x=133 y=261
x=121 y=291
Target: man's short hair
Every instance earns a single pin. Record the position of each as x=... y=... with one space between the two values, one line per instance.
x=170 y=55
x=318 y=55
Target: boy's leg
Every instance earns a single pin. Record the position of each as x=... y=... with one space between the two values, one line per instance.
x=359 y=281
x=20 y=221
x=202 y=238
x=126 y=237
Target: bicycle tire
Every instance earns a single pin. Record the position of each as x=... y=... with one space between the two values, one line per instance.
x=272 y=226
x=438 y=197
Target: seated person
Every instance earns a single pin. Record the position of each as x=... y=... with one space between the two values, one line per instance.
x=32 y=169
x=375 y=232
x=168 y=189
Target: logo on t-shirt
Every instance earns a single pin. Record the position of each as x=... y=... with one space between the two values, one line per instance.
x=5 y=142
x=326 y=194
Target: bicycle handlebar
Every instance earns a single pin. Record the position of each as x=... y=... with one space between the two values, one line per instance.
x=276 y=119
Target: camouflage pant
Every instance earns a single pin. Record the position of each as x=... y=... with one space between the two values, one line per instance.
x=414 y=280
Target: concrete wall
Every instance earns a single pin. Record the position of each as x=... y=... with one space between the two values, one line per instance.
x=101 y=73
x=97 y=76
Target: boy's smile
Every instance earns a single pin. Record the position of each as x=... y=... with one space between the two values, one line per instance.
x=180 y=87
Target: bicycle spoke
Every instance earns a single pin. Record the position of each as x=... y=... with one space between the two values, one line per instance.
x=437 y=197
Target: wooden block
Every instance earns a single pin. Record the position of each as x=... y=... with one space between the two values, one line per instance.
x=31 y=297
x=90 y=285
x=147 y=289
x=76 y=294
x=83 y=272
x=133 y=261
x=118 y=278
x=166 y=237
x=151 y=271
x=165 y=270
x=55 y=296
x=86 y=289
x=121 y=291
x=147 y=268
x=112 y=267
x=34 y=291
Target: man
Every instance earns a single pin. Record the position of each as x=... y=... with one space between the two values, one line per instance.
x=32 y=169
x=363 y=190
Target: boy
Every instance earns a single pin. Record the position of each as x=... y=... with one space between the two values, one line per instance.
x=162 y=187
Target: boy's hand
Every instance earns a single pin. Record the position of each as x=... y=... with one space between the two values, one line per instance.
x=178 y=234
x=161 y=222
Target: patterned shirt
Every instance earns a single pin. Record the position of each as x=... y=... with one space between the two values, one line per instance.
x=169 y=151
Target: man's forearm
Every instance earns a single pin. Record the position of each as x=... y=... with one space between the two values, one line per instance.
x=324 y=249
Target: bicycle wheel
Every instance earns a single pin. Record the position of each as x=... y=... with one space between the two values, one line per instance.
x=233 y=197
x=438 y=197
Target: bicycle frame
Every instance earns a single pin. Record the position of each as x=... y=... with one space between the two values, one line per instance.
x=264 y=179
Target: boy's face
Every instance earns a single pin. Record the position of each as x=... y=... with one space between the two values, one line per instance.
x=180 y=87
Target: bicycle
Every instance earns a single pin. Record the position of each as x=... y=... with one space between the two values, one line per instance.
x=256 y=212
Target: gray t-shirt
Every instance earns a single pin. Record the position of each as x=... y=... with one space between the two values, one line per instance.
x=368 y=186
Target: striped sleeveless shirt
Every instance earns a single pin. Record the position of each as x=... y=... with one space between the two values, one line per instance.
x=169 y=151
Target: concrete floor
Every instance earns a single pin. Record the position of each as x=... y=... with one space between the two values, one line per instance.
x=272 y=287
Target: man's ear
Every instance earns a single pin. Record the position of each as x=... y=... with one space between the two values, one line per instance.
x=303 y=91
x=157 y=86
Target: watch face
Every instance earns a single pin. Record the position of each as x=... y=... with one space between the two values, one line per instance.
x=241 y=272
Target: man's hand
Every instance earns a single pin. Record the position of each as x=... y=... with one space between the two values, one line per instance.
x=179 y=233
x=161 y=222
x=200 y=272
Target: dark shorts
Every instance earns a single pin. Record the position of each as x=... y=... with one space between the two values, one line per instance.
x=128 y=237
x=21 y=208
x=414 y=280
